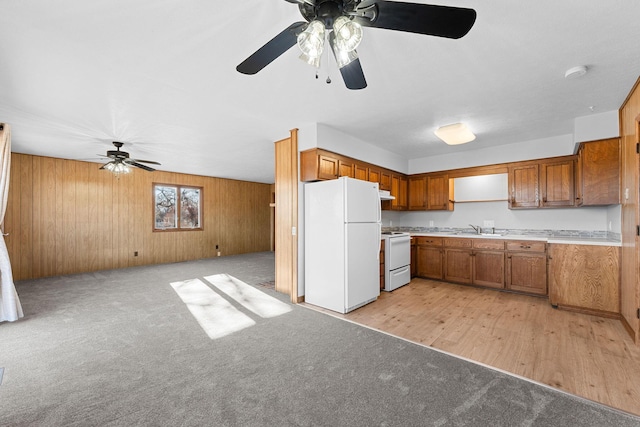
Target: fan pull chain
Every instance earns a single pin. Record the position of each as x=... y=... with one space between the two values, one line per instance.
x=327 y=62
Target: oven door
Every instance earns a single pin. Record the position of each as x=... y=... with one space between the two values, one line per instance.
x=398 y=252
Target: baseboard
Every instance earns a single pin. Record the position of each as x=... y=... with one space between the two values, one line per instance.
x=629 y=329
x=591 y=311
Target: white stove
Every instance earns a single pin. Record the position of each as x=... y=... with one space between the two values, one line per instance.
x=397 y=259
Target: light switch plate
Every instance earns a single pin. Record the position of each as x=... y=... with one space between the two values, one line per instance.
x=489 y=223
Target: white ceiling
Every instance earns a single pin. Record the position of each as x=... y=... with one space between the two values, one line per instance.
x=160 y=76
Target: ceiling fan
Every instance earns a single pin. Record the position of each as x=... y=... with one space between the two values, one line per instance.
x=344 y=19
x=121 y=162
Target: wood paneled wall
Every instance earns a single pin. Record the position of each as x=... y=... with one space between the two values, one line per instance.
x=286 y=195
x=66 y=216
x=630 y=262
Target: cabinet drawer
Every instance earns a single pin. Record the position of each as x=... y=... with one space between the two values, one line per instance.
x=527 y=246
x=454 y=242
x=428 y=241
x=488 y=244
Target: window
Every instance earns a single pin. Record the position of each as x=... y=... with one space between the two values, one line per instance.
x=177 y=207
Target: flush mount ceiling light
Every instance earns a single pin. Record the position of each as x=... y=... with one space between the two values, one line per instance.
x=455 y=134
x=575 y=72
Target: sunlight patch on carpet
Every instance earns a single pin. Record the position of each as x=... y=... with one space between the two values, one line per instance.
x=249 y=297
x=216 y=316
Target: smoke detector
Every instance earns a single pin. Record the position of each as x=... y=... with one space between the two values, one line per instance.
x=575 y=72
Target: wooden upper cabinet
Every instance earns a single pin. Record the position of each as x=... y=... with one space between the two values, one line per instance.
x=439 y=193
x=345 y=168
x=399 y=191
x=523 y=186
x=417 y=193
x=373 y=175
x=385 y=181
x=318 y=165
x=557 y=183
x=360 y=172
x=598 y=173
x=327 y=167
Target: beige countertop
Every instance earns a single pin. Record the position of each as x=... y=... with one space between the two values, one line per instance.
x=568 y=240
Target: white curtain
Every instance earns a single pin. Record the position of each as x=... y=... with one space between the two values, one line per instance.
x=10 y=308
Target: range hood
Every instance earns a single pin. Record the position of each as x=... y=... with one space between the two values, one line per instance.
x=386 y=195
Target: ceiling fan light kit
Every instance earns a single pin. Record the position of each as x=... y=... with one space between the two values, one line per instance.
x=455 y=134
x=344 y=19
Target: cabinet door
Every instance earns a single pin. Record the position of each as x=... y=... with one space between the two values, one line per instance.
x=345 y=168
x=418 y=194
x=403 y=199
x=399 y=191
x=523 y=187
x=527 y=272
x=327 y=167
x=458 y=265
x=385 y=181
x=585 y=278
x=557 y=184
x=488 y=269
x=414 y=260
x=429 y=260
x=373 y=175
x=360 y=172
x=599 y=180
x=438 y=194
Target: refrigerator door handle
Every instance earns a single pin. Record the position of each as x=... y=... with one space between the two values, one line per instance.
x=379 y=241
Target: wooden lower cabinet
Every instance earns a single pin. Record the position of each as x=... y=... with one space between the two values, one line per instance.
x=488 y=268
x=458 y=265
x=527 y=272
x=430 y=263
x=414 y=258
x=585 y=278
x=519 y=266
x=527 y=267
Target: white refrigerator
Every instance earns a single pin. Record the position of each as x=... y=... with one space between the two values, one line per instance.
x=342 y=220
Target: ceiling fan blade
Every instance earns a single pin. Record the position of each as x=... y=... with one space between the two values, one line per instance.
x=309 y=2
x=102 y=167
x=273 y=49
x=139 y=165
x=352 y=73
x=146 y=161
x=432 y=20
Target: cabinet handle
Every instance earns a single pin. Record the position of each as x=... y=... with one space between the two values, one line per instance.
x=525 y=247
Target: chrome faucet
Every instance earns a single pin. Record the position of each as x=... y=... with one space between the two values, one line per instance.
x=477 y=228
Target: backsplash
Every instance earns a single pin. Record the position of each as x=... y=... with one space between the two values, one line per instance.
x=515 y=231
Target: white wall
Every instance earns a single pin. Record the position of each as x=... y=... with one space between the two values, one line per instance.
x=333 y=140
x=536 y=149
x=584 y=219
x=596 y=126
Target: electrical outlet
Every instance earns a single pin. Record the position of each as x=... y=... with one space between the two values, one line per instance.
x=431 y=223
x=489 y=223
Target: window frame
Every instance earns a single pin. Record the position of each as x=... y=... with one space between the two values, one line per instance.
x=179 y=188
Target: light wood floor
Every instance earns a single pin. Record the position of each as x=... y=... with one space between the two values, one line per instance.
x=585 y=355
